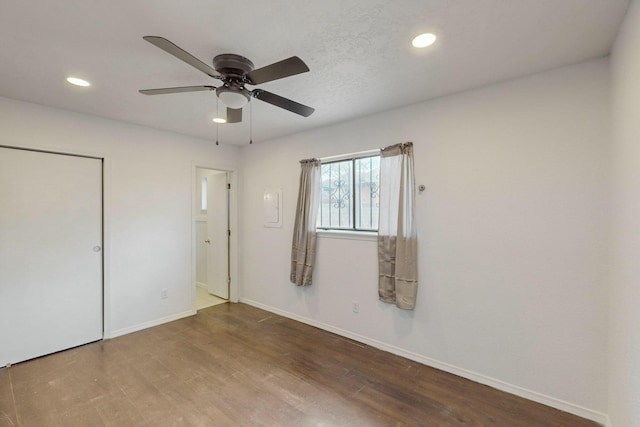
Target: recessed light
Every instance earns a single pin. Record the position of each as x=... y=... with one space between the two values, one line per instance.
x=219 y=120
x=424 y=40
x=78 y=82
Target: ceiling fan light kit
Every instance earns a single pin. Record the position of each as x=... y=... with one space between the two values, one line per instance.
x=232 y=98
x=235 y=72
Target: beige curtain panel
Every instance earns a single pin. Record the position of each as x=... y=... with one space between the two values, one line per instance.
x=303 y=248
x=397 y=235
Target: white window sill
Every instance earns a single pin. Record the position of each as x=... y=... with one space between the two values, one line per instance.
x=348 y=235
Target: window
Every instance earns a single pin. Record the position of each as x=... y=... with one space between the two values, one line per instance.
x=203 y=194
x=349 y=198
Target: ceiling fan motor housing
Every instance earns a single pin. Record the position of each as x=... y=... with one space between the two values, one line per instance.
x=231 y=65
x=233 y=68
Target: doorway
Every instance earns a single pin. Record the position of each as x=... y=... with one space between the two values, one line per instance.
x=212 y=237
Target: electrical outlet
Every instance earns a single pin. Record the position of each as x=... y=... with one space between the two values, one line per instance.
x=163 y=294
x=355 y=306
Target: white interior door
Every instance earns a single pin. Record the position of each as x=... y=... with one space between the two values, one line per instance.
x=50 y=253
x=217 y=231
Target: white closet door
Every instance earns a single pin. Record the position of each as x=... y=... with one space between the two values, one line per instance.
x=217 y=230
x=50 y=253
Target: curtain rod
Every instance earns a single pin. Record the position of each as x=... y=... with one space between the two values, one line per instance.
x=350 y=155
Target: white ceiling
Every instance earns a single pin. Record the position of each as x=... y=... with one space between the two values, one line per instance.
x=359 y=53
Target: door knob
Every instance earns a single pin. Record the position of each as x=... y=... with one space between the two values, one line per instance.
x=208 y=241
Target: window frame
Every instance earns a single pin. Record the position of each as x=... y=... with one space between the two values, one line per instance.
x=353 y=229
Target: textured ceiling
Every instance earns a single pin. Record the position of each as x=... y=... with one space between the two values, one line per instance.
x=359 y=53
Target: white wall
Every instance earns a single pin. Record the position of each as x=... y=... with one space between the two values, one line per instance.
x=624 y=303
x=512 y=235
x=148 y=200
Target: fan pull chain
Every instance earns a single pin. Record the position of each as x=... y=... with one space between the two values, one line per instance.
x=250 y=123
x=217 y=125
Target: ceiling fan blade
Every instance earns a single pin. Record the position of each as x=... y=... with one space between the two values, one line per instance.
x=175 y=90
x=234 y=115
x=281 y=102
x=285 y=68
x=182 y=54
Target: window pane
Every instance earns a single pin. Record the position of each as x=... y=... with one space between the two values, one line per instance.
x=367 y=200
x=335 y=195
x=203 y=194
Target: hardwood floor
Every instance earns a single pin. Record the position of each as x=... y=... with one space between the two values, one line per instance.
x=235 y=365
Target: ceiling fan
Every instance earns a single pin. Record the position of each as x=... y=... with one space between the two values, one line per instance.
x=235 y=72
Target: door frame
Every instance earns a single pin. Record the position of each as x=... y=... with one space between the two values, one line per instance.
x=106 y=219
x=233 y=227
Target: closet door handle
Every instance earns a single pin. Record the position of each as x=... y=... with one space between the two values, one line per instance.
x=208 y=241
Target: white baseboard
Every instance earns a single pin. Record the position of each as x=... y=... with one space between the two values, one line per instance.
x=151 y=323
x=473 y=376
x=608 y=422
x=202 y=285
